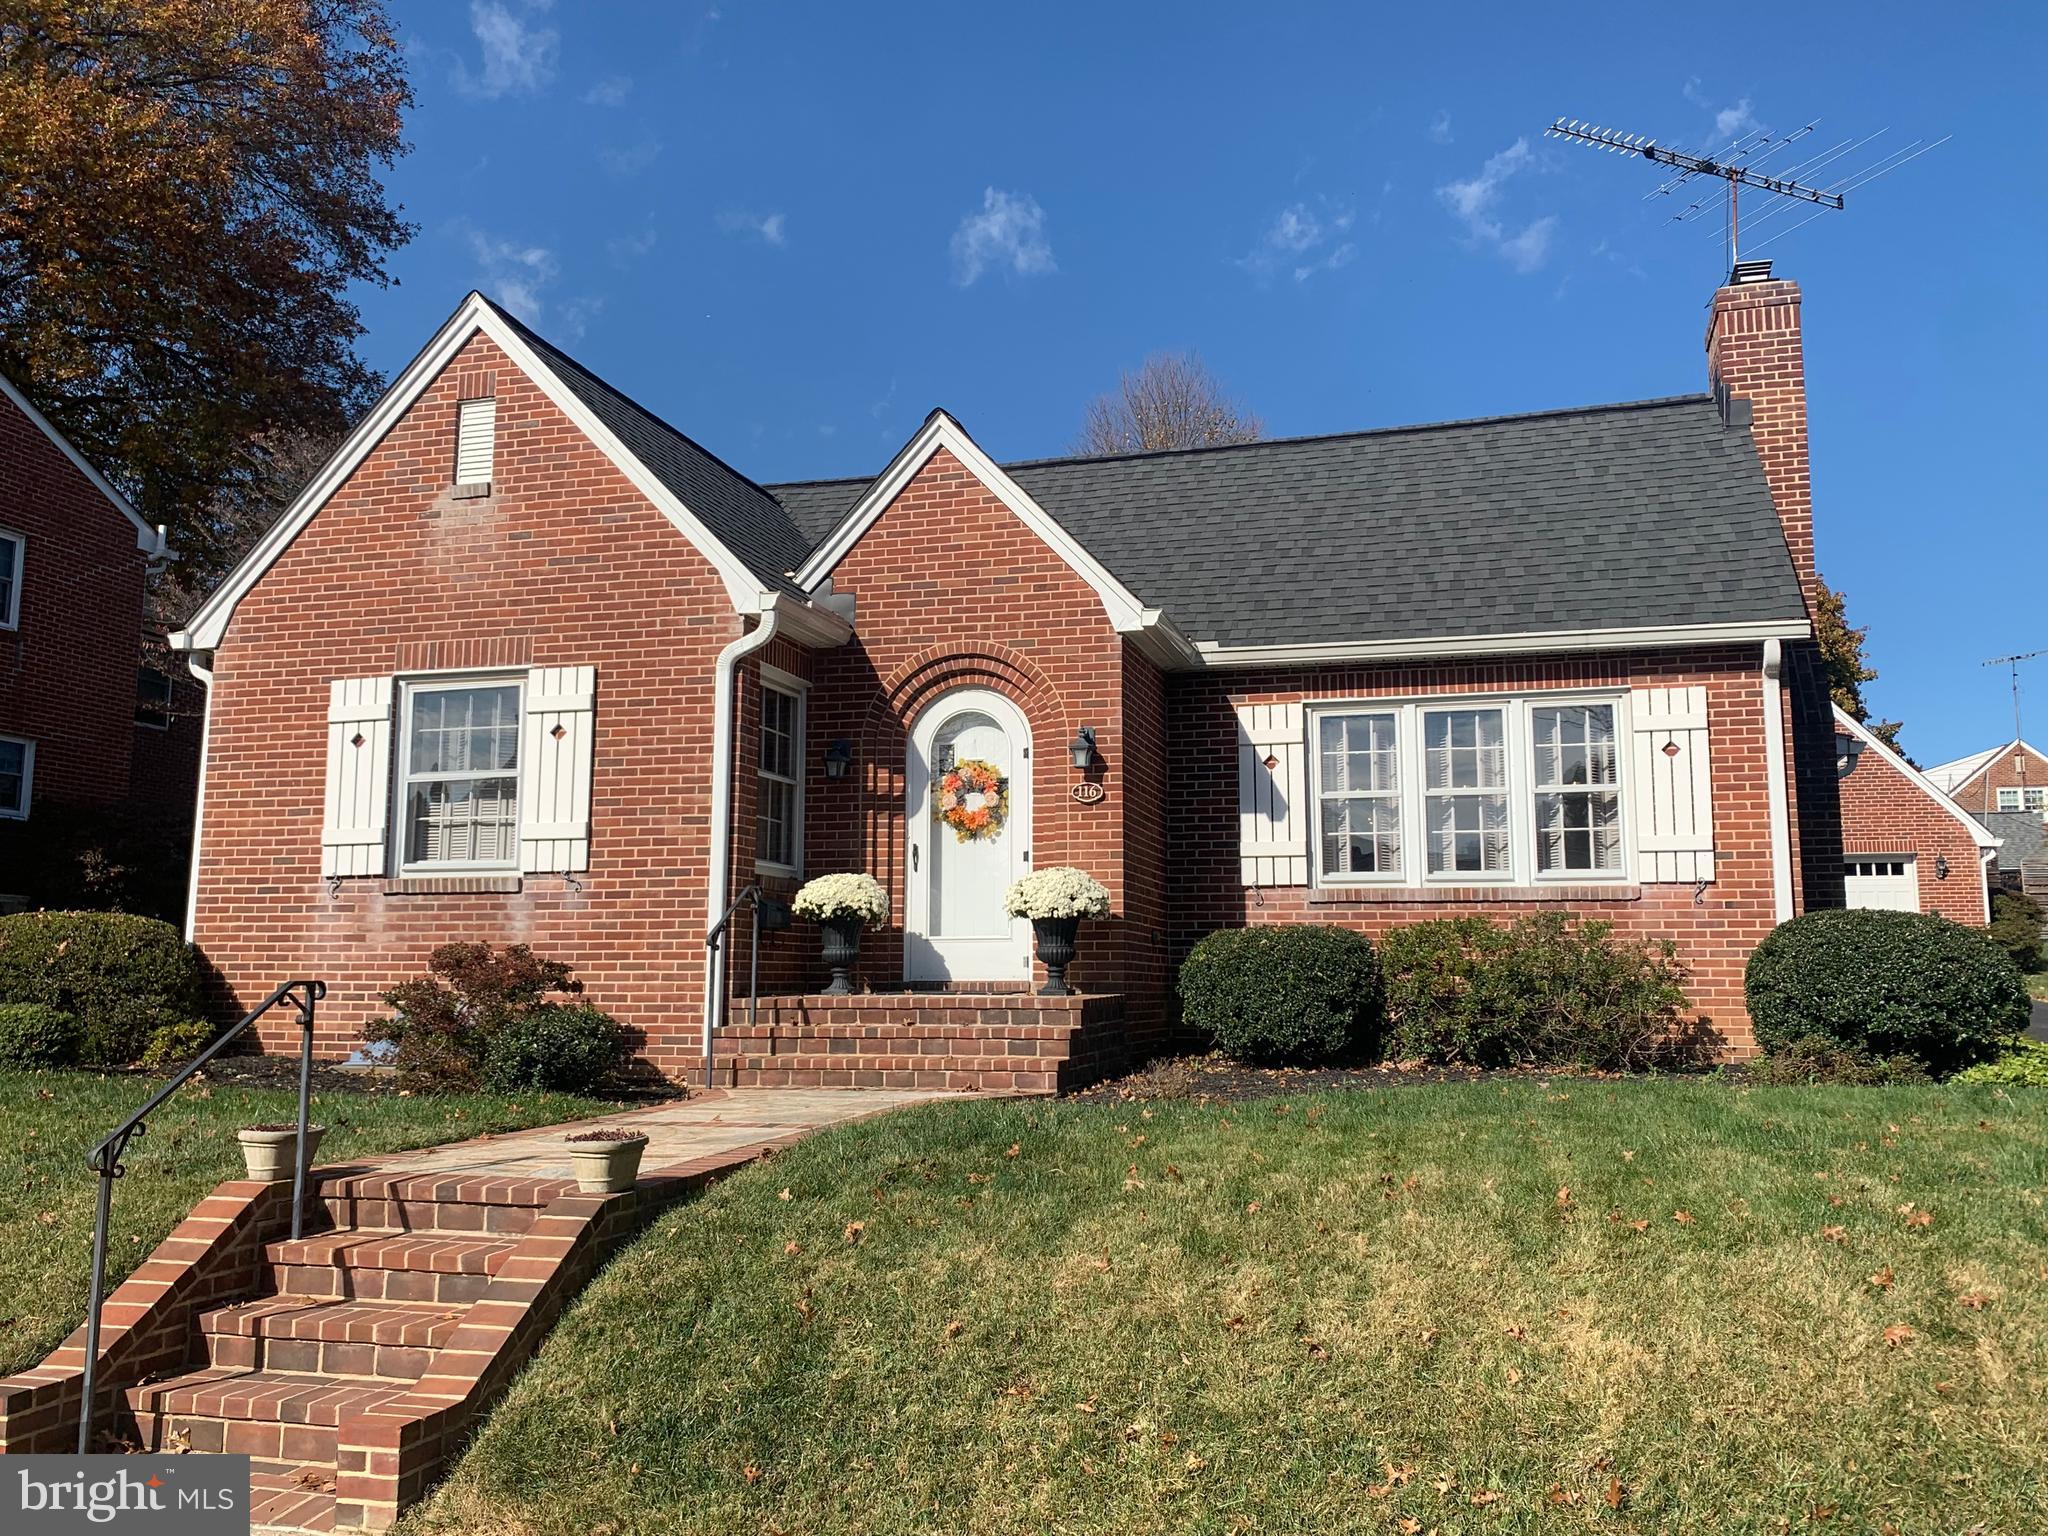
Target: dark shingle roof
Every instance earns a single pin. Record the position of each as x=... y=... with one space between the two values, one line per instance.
x=1608 y=517
x=740 y=514
x=2025 y=836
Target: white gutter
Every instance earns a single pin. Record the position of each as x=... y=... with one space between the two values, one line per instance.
x=205 y=676
x=1748 y=633
x=722 y=749
x=1774 y=773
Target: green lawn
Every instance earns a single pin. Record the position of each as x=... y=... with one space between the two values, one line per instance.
x=49 y=1121
x=1423 y=1309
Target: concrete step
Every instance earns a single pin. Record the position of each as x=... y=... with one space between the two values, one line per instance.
x=390 y=1341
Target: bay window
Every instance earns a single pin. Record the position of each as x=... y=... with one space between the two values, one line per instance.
x=1504 y=790
x=460 y=792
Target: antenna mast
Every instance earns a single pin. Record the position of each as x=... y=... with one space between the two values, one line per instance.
x=2014 y=663
x=1730 y=169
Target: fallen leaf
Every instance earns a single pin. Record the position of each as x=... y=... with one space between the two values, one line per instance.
x=1516 y=1331
x=1944 y=1387
x=1485 y=1497
x=1883 y=1278
x=1408 y=1525
x=792 y=1247
x=979 y=1178
x=1447 y=1484
x=1822 y=1512
x=1560 y=1495
x=1564 y=1197
x=1086 y=1405
x=1639 y=1226
x=1615 y=1493
x=1920 y=1219
x=785 y=1195
x=751 y=1473
x=1683 y=1218
x=1014 y=1149
x=1627 y=1156
x=1196 y=1463
x=1251 y=1207
x=953 y=1328
x=1898 y=1334
x=855 y=1230
x=1835 y=1234
x=1316 y=1351
x=1974 y=1300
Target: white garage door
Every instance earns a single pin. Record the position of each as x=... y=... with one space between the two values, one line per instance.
x=1890 y=882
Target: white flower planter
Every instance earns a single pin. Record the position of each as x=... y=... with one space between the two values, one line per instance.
x=272 y=1156
x=606 y=1167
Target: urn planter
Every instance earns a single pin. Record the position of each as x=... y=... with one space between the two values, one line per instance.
x=270 y=1152
x=841 y=945
x=1056 y=949
x=606 y=1162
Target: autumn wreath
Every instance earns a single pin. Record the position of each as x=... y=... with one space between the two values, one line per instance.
x=973 y=799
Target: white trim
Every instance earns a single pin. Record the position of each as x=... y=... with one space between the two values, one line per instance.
x=1212 y=654
x=1775 y=792
x=204 y=675
x=147 y=539
x=10 y=616
x=398 y=825
x=1150 y=627
x=28 y=778
x=1955 y=775
x=208 y=626
x=992 y=958
x=1988 y=842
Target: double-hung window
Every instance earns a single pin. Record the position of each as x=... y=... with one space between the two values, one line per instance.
x=11 y=548
x=17 y=769
x=780 y=790
x=1468 y=792
x=460 y=759
x=2024 y=797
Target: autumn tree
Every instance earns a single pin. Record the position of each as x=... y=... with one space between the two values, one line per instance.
x=1841 y=647
x=1171 y=401
x=237 y=515
x=188 y=188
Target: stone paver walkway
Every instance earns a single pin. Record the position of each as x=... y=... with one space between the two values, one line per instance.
x=710 y=1122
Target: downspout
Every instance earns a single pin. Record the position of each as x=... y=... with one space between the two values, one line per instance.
x=722 y=749
x=1774 y=772
x=205 y=676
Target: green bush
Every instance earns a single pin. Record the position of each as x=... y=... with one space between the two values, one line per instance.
x=557 y=1047
x=2024 y=1064
x=37 y=1035
x=172 y=1045
x=122 y=977
x=2016 y=928
x=1542 y=991
x=446 y=1023
x=1816 y=1059
x=1887 y=984
x=1288 y=993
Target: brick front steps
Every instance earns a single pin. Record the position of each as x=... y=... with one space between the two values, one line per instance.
x=989 y=1042
x=352 y=1362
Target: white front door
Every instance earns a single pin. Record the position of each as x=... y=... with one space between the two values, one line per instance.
x=1891 y=881
x=954 y=926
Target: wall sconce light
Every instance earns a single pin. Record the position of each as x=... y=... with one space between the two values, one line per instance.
x=1941 y=866
x=1853 y=745
x=1083 y=747
x=838 y=757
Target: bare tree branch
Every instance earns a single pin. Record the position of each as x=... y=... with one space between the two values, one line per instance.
x=1171 y=401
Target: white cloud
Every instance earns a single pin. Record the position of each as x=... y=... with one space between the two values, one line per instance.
x=518 y=59
x=1440 y=128
x=773 y=228
x=632 y=159
x=513 y=273
x=1729 y=122
x=1475 y=203
x=1008 y=231
x=611 y=91
x=1302 y=241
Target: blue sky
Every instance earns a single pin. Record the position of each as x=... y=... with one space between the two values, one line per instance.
x=793 y=230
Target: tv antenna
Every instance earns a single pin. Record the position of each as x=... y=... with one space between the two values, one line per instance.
x=2014 y=663
x=1738 y=164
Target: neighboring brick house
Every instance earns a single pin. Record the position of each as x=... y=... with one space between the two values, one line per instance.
x=73 y=558
x=524 y=663
x=2013 y=777
x=2021 y=863
x=1905 y=844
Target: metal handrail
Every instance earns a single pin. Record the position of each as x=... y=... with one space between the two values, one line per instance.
x=105 y=1160
x=715 y=951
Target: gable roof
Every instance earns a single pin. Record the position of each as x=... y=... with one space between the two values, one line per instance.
x=1951 y=776
x=2023 y=834
x=1629 y=519
x=740 y=514
x=147 y=539
x=1847 y=725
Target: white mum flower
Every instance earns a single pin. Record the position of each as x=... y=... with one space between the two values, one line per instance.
x=839 y=896
x=1060 y=891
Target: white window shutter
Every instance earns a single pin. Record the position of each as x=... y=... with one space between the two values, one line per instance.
x=554 y=769
x=1273 y=813
x=353 y=830
x=1672 y=781
x=476 y=440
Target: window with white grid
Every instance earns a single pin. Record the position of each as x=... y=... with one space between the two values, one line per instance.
x=460 y=761
x=1359 y=794
x=2026 y=797
x=779 y=796
x=1465 y=779
x=1576 y=780
x=11 y=545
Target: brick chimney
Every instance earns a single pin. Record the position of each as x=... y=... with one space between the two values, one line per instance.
x=1754 y=353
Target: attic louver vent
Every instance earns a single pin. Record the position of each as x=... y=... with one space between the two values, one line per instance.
x=476 y=439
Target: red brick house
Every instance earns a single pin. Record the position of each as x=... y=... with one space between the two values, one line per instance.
x=73 y=557
x=525 y=663
x=1905 y=844
x=2013 y=777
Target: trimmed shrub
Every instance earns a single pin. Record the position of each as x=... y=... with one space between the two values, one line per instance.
x=122 y=977
x=1288 y=993
x=172 y=1045
x=445 y=1022
x=1887 y=984
x=558 y=1047
x=1816 y=1059
x=1542 y=991
x=37 y=1035
x=2016 y=928
x=2023 y=1065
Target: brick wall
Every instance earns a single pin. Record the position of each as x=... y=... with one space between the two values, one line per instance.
x=1714 y=932
x=1883 y=812
x=563 y=564
x=67 y=672
x=1980 y=792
